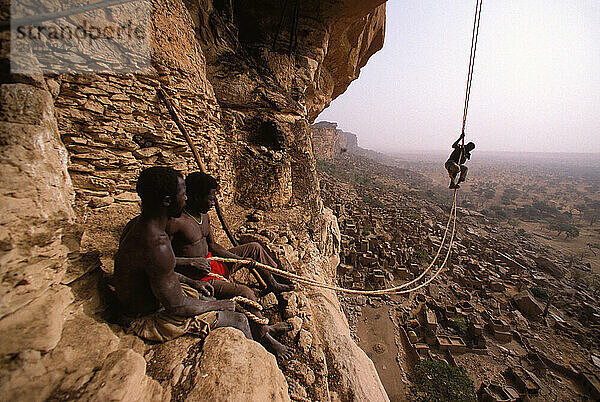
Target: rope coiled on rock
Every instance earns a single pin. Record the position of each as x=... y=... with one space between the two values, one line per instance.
x=239 y=300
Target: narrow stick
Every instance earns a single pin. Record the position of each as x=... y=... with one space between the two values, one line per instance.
x=175 y=116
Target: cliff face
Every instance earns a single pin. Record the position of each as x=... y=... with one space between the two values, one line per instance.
x=329 y=141
x=248 y=80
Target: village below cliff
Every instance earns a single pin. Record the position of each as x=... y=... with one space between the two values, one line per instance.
x=515 y=309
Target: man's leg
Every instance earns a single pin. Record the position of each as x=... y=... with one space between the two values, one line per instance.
x=453 y=170
x=234 y=320
x=255 y=252
x=227 y=290
x=260 y=332
x=463 y=173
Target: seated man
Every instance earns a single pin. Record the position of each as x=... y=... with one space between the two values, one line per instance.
x=454 y=165
x=157 y=303
x=192 y=237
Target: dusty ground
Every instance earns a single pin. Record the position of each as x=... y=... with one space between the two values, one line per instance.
x=377 y=335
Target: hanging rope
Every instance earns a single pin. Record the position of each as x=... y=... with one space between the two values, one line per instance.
x=407 y=286
x=393 y=290
x=474 y=37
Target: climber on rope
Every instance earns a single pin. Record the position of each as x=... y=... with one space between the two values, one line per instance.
x=155 y=302
x=456 y=161
x=192 y=239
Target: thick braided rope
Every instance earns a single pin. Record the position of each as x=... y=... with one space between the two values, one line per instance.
x=249 y=302
x=217 y=276
x=253 y=317
x=243 y=300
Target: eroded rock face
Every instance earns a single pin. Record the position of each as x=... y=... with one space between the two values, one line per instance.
x=330 y=142
x=234 y=368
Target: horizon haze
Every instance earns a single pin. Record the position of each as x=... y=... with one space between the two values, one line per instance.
x=536 y=82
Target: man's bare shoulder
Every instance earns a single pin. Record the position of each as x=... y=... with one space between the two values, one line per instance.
x=127 y=228
x=153 y=250
x=176 y=225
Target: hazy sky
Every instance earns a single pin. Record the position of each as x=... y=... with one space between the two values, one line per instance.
x=536 y=85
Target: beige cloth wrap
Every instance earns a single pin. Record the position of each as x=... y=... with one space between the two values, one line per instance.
x=162 y=326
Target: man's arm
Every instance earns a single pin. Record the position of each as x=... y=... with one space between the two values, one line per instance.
x=215 y=248
x=198 y=263
x=457 y=142
x=167 y=288
x=204 y=288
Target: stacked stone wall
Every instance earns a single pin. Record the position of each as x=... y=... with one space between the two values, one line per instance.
x=113 y=127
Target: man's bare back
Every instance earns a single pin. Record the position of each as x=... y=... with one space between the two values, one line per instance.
x=131 y=260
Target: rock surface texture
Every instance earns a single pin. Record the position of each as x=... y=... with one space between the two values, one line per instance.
x=248 y=81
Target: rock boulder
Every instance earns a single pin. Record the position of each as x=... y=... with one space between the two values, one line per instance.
x=528 y=305
x=233 y=368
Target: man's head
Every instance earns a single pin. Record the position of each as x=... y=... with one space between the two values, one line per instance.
x=470 y=146
x=161 y=187
x=201 y=191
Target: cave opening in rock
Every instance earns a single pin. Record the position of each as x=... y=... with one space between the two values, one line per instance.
x=268 y=134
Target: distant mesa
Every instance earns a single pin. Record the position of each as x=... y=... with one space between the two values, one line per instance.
x=330 y=142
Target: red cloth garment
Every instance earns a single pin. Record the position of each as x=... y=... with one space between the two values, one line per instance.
x=217 y=268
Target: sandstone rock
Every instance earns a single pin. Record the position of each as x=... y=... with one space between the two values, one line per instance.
x=122 y=378
x=296 y=324
x=358 y=379
x=146 y=152
x=296 y=390
x=269 y=301
x=53 y=87
x=21 y=103
x=84 y=344
x=97 y=202
x=527 y=304
x=302 y=372
x=234 y=368
x=291 y=308
x=549 y=266
x=38 y=325
x=26 y=379
x=305 y=341
x=127 y=196
x=93 y=106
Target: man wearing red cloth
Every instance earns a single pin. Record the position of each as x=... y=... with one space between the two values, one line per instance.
x=193 y=242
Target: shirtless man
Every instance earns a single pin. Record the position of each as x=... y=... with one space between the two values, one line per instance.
x=157 y=303
x=456 y=161
x=192 y=237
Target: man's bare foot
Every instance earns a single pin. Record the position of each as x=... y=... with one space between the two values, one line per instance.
x=276 y=347
x=278 y=288
x=280 y=328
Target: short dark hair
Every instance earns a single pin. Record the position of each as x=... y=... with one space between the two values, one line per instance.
x=155 y=183
x=470 y=146
x=199 y=183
